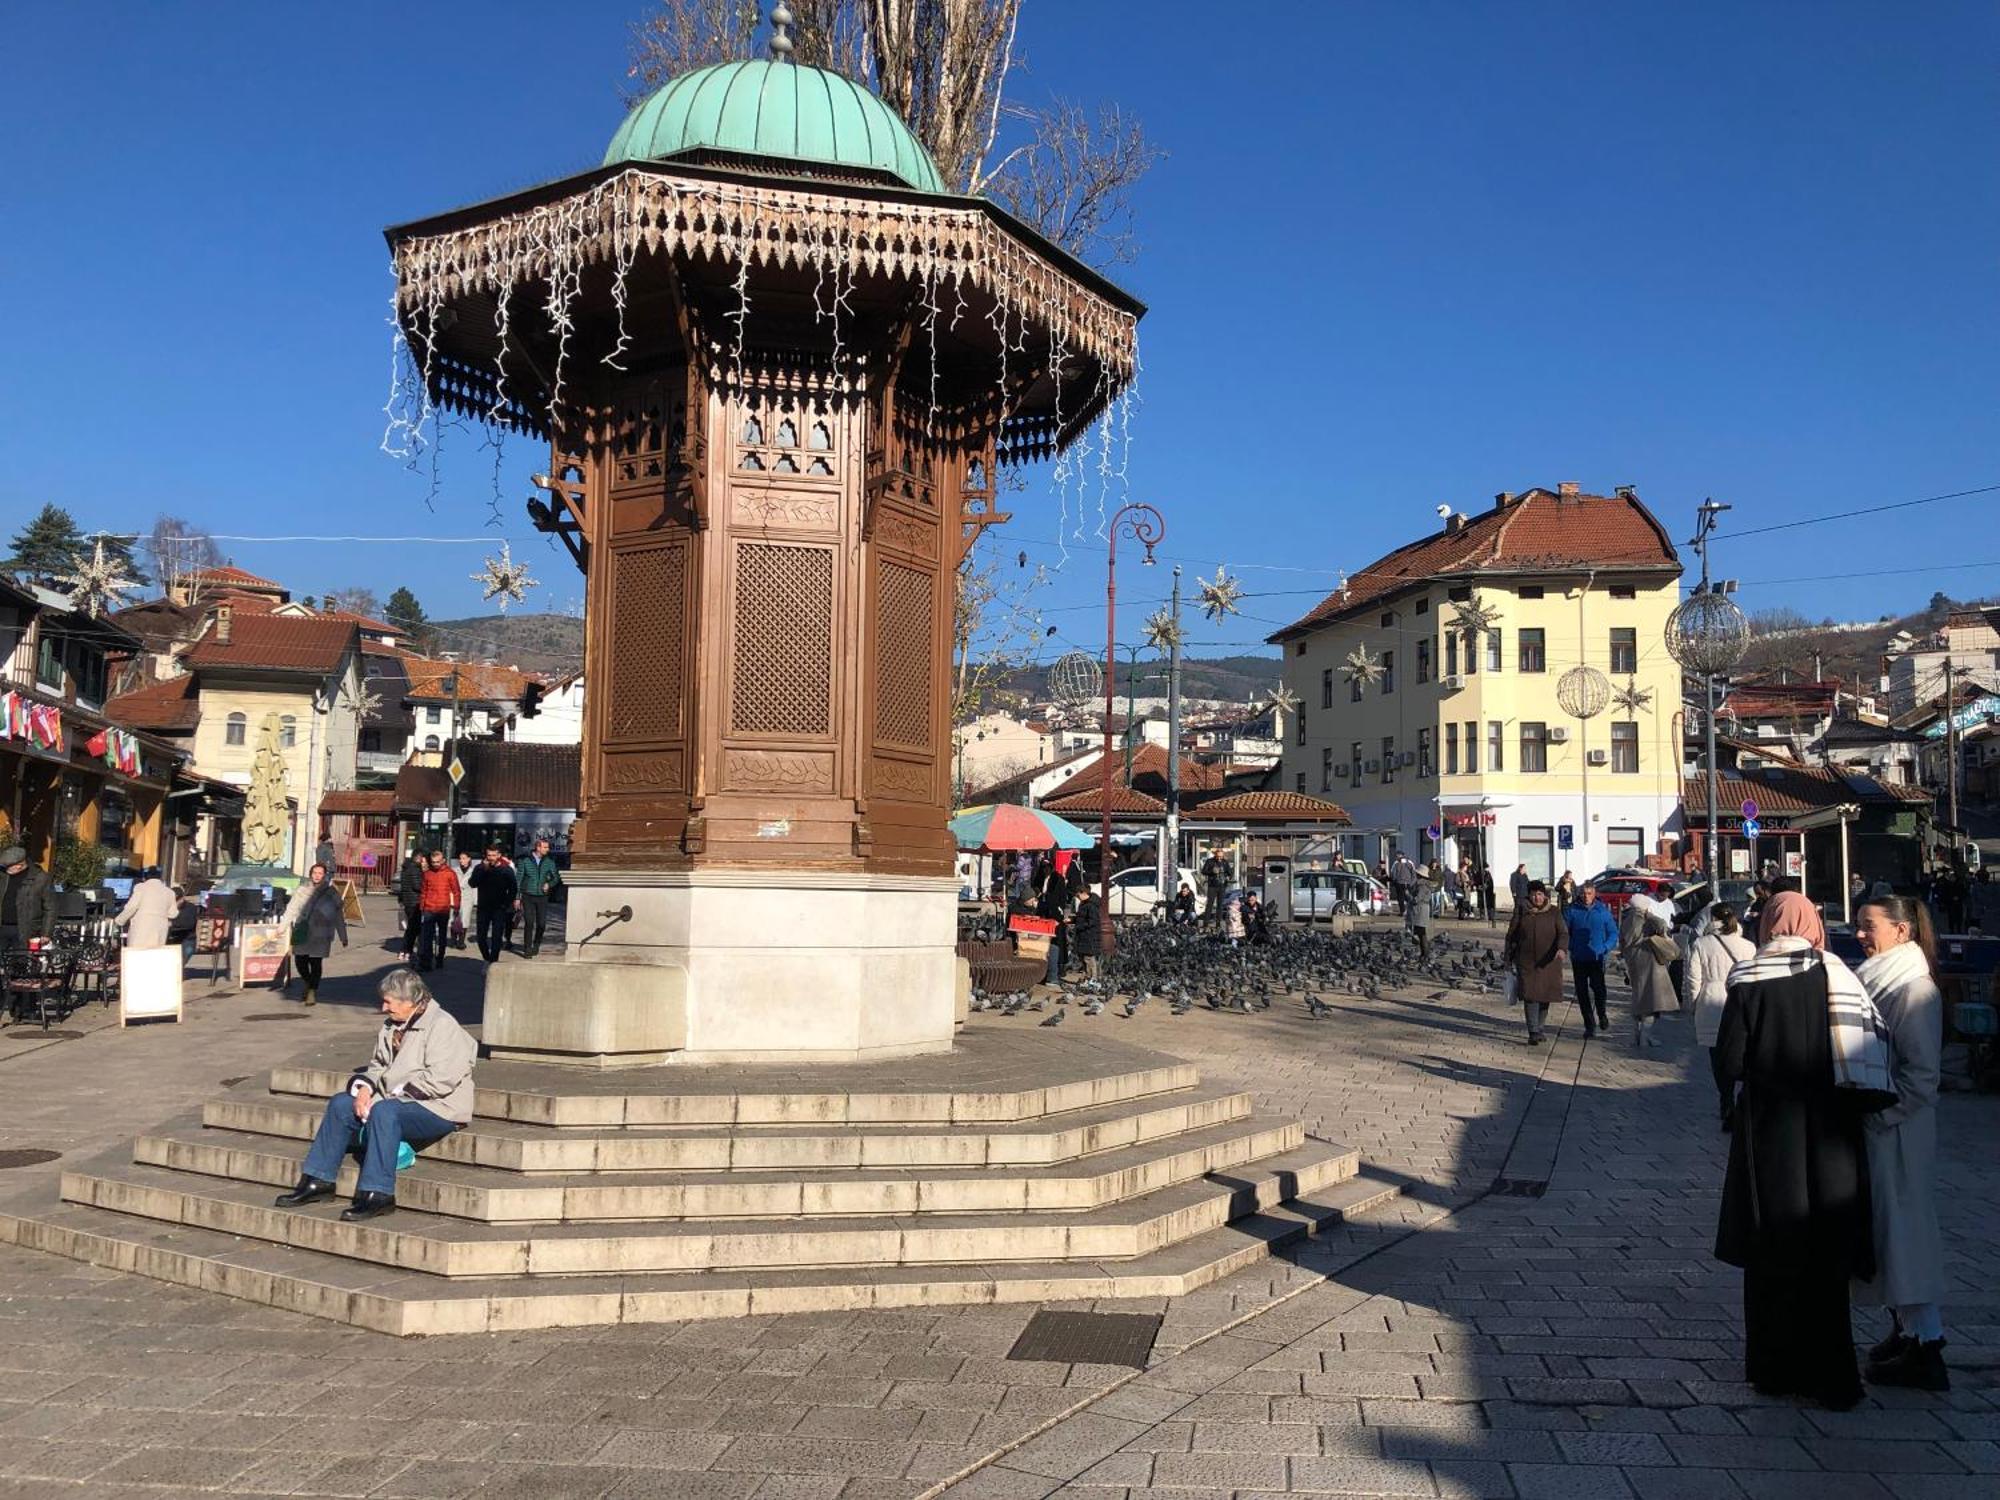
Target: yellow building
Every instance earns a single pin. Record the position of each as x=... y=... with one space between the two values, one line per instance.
x=1429 y=690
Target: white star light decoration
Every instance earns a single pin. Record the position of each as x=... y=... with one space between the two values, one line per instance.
x=365 y=702
x=1219 y=595
x=1283 y=699
x=1363 y=666
x=96 y=583
x=1633 y=698
x=1473 y=617
x=504 y=578
x=1163 y=631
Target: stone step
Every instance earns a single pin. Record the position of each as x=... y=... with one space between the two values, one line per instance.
x=397 y=1302
x=443 y=1187
x=450 y=1247
x=517 y=1147
x=994 y=1074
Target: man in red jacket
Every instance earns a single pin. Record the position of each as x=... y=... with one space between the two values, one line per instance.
x=437 y=902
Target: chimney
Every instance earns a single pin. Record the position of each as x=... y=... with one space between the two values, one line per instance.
x=1502 y=500
x=1568 y=490
x=223 y=612
x=1455 y=521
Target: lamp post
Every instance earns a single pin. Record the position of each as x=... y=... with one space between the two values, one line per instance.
x=1144 y=525
x=1708 y=634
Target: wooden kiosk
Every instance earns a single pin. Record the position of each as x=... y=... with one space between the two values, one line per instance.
x=777 y=368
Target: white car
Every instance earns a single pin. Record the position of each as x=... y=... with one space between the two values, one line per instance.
x=1329 y=893
x=1136 y=892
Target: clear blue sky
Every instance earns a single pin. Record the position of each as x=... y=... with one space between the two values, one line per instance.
x=1399 y=253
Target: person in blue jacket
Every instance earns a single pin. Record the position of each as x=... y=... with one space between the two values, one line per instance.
x=1593 y=933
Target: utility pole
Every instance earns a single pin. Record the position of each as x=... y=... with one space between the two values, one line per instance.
x=1950 y=748
x=451 y=786
x=1171 y=858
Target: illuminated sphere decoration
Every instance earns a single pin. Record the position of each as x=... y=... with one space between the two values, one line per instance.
x=1076 y=678
x=1707 y=633
x=1583 y=692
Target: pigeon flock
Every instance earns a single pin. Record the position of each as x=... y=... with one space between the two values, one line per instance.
x=1184 y=968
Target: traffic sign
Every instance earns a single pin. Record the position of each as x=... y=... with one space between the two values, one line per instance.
x=1565 y=836
x=1749 y=810
x=456 y=770
x=1750 y=828
x=1434 y=833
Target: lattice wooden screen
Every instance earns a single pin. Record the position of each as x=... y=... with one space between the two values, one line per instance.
x=648 y=646
x=783 y=670
x=903 y=621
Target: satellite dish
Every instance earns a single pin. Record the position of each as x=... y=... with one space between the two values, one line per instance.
x=1076 y=678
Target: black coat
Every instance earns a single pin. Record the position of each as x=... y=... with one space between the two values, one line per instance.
x=1797 y=1189
x=411 y=883
x=28 y=902
x=322 y=920
x=1083 y=930
x=494 y=885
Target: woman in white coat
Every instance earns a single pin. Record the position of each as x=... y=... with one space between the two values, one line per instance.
x=1649 y=954
x=1705 y=987
x=1895 y=933
x=148 y=911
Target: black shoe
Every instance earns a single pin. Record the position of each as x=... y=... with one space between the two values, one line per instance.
x=1889 y=1348
x=309 y=1190
x=369 y=1206
x=1919 y=1367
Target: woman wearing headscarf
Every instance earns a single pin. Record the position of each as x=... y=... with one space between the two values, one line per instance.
x=1795 y=1212
x=1649 y=954
x=1534 y=946
x=1895 y=933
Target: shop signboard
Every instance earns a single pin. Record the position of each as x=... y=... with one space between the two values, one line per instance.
x=149 y=984
x=261 y=951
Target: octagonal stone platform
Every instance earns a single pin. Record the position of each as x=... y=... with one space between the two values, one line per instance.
x=1024 y=1165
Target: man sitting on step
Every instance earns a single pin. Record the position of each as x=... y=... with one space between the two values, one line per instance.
x=416 y=1088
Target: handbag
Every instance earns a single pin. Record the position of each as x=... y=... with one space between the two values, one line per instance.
x=1663 y=949
x=1510 y=992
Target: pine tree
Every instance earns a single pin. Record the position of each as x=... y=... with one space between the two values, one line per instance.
x=404 y=612
x=46 y=546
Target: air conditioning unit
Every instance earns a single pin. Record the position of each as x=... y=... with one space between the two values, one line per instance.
x=1409 y=758
x=1558 y=736
x=1451 y=682
x=1374 y=766
x=1340 y=770
x=1599 y=757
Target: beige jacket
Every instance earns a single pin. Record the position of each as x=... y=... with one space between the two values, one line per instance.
x=148 y=912
x=433 y=1068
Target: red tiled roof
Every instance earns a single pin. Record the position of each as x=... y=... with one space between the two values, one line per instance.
x=1537 y=532
x=1279 y=807
x=432 y=680
x=367 y=622
x=1090 y=799
x=276 y=643
x=1149 y=770
x=228 y=574
x=1001 y=790
x=1783 y=790
x=168 y=706
x=364 y=804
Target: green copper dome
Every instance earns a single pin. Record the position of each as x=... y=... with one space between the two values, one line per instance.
x=776 y=109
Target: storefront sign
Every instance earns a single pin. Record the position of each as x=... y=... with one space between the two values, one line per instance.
x=211 y=932
x=149 y=983
x=1795 y=863
x=261 y=950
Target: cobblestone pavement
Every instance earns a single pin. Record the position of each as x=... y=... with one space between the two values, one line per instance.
x=1468 y=1342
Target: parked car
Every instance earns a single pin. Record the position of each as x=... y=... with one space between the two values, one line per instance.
x=1616 y=887
x=1135 y=892
x=1330 y=893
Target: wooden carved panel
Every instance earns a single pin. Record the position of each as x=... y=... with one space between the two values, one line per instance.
x=902 y=779
x=904 y=621
x=629 y=772
x=648 y=643
x=777 y=510
x=916 y=535
x=799 y=772
x=782 y=662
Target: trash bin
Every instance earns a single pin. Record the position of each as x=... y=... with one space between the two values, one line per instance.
x=1278 y=889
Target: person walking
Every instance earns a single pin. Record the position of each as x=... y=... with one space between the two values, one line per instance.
x=409 y=893
x=1517 y=885
x=1402 y=878
x=1417 y=913
x=1214 y=875
x=1795 y=1203
x=323 y=855
x=1051 y=905
x=467 y=924
x=1895 y=933
x=539 y=878
x=494 y=888
x=1534 y=947
x=1565 y=891
x=149 y=911
x=1705 y=989
x=438 y=900
x=316 y=921
x=1487 y=897
x=1593 y=934
x=1649 y=955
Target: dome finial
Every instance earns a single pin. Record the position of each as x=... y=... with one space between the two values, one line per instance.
x=781 y=43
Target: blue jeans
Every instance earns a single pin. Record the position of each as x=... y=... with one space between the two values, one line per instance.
x=390 y=1123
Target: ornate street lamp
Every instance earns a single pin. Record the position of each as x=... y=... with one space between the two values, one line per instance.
x=1708 y=634
x=1144 y=525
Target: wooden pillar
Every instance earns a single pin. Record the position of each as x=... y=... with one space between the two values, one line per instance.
x=148 y=807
